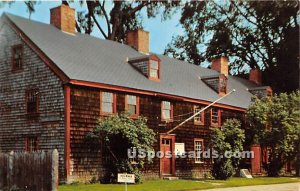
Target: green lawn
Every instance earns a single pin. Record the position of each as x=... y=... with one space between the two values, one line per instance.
x=178 y=185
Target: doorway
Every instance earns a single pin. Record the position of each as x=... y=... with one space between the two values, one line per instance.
x=167 y=162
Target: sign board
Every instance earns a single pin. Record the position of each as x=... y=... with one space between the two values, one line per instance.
x=245 y=173
x=126 y=178
x=179 y=149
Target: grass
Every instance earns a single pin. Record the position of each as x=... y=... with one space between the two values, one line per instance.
x=179 y=185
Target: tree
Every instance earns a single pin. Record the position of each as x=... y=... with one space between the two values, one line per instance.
x=230 y=139
x=114 y=18
x=29 y=4
x=127 y=133
x=262 y=34
x=275 y=124
x=221 y=43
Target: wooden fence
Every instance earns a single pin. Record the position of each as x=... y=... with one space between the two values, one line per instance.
x=23 y=171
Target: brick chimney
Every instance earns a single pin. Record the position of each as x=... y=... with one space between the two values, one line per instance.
x=139 y=40
x=255 y=76
x=63 y=17
x=220 y=64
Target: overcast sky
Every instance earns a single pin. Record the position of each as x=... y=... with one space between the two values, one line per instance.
x=160 y=32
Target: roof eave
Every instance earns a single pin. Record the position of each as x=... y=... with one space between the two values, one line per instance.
x=151 y=93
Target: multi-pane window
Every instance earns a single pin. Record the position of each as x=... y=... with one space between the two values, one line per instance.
x=31 y=144
x=32 y=101
x=107 y=102
x=199 y=118
x=215 y=117
x=17 y=57
x=154 y=69
x=223 y=85
x=198 y=148
x=166 y=111
x=132 y=105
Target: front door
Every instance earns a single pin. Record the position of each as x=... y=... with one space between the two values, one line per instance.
x=166 y=161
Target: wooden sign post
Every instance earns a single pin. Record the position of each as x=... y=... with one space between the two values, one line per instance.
x=126 y=178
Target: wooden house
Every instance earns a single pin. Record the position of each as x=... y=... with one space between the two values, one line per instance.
x=56 y=83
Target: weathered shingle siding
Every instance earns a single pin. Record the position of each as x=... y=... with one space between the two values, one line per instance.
x=85 y=111
x=85 y=159
x=14 y=123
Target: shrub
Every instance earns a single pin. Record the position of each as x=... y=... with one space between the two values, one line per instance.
x=118 y=133
x=229 y=138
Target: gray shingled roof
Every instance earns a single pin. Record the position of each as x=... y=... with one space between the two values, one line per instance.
x=87 y=58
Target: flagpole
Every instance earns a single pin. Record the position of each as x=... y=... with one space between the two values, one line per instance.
x=188 y=119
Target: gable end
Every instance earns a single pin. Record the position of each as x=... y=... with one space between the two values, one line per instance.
x=57 y=71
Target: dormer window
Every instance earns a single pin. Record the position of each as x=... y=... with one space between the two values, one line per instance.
x=222 y=84
x=149 y=66
x=260 y=92
x=154 y=69
x=217 y=83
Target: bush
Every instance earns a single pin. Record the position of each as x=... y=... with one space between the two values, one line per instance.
x=229 y=138
x=222 y=169
x=118 y=133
